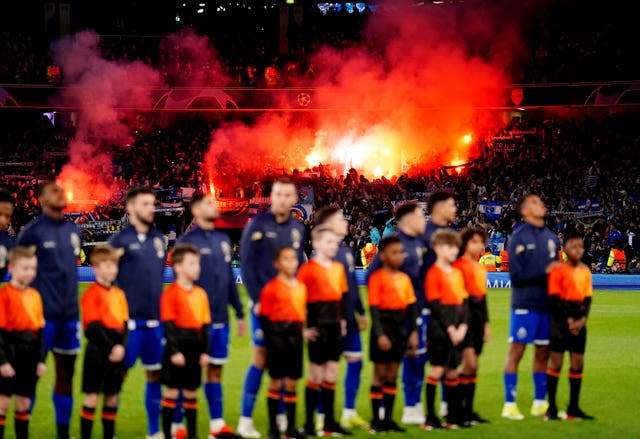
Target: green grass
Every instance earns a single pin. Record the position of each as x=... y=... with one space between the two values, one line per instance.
x=610 y=389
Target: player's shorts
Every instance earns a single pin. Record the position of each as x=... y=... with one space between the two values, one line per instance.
x=352 y=343
x=99 y=375
x=443 y=353
x=328 y=344
x=24 y=358
x=189 y=376
x=475 y=334
x=395 y=330
x=528 y=327
x=562 y=340
x=62 y=337
x=257 y=334
x=284 y=350
x=219 y=343
x=145 y=341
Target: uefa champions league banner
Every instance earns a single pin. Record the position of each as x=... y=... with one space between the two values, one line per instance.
x=495 y=280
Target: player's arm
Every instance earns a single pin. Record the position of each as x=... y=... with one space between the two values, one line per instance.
x=520 y=272
x=374 y=306
x=234 y=296
x=588 y=294
x=167 y=316
x=94 y=331
x=250 y=257
x=3 y=334
x=556 y=307
x=412 y=311
x=266 y=304
x=206 y=324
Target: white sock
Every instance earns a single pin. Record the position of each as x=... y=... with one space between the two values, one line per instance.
x=348 y=413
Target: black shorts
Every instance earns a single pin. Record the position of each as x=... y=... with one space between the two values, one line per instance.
x=443 y=353
x=189 y=376
x=328 y=344
x=284 y=350
x=561 y=340
x=24 y=358
x=99 y=375
x=475 y=334
x=397 y=335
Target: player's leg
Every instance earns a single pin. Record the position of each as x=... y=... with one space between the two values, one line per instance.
x=169 y=399
x=376 y=396
x=451 y=383
x=290 y=400
x=540 y=362
x=252 y=380
x=109 y=415
x=389 y=391
x=312 y=392
x=21 y=417
x=5 y=399
x=218 y=351
x=151 y=349
x=353 y=357
x=521 y=332
x=273 y=401
x=553 y=374
x=190 y=405
x=467 y=381
x=328 y=395
x=577 y=346
x=413 y=372
x=88 y=414
x=65 y=343
x=436 y=373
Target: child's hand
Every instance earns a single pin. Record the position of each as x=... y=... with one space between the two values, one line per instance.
x=256 y=309
x=204 y=360
x=310 y=334
x=384 y=343
x=242 y=328
x=41 y=369
x=343 y=327
x=6 y=370
x=413 y=340
x=362 y=322
x=487 y=332
x=117 y=353
x=178 y=359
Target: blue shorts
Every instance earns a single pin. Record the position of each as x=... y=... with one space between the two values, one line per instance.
x=219 y=343
x=145 y=341
x=352 y=343
x=62 y=337
x=528 y=327
x=257 y=335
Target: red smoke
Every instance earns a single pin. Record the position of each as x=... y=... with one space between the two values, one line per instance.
x=97 y=88
x=404 y=99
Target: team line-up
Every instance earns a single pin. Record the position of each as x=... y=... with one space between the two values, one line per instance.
x=426 y=296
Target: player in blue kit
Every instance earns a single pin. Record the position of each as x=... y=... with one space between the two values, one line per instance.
x=216 y=278
x=261 y=239
x=7 y=204
x=411 y=226
x=140 y=276
x=58 y=247
x=533 y=252
x=333 y=218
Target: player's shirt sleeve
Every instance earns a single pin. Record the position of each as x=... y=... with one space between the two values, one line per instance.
x=3 y=326
x=250 y=258
x=521 y=272
x=374 y=289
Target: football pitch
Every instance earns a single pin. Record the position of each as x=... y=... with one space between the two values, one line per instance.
x=610 y=392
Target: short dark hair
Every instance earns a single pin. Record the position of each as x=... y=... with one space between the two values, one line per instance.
x=196 y=198
x=523 y=200
x=42 y=187
x=181 y=250
x=446 y=237
x=573 y=235
x=468 y=233
x=138 y=190
x=438 y=197
x=406 y=209
x=388 y=241
x=6 y=197
x=323 y=214
x=284 y=181
x=281 y=250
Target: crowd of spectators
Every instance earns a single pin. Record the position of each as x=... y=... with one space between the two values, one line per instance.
x=565 y=43
x=585 y=169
